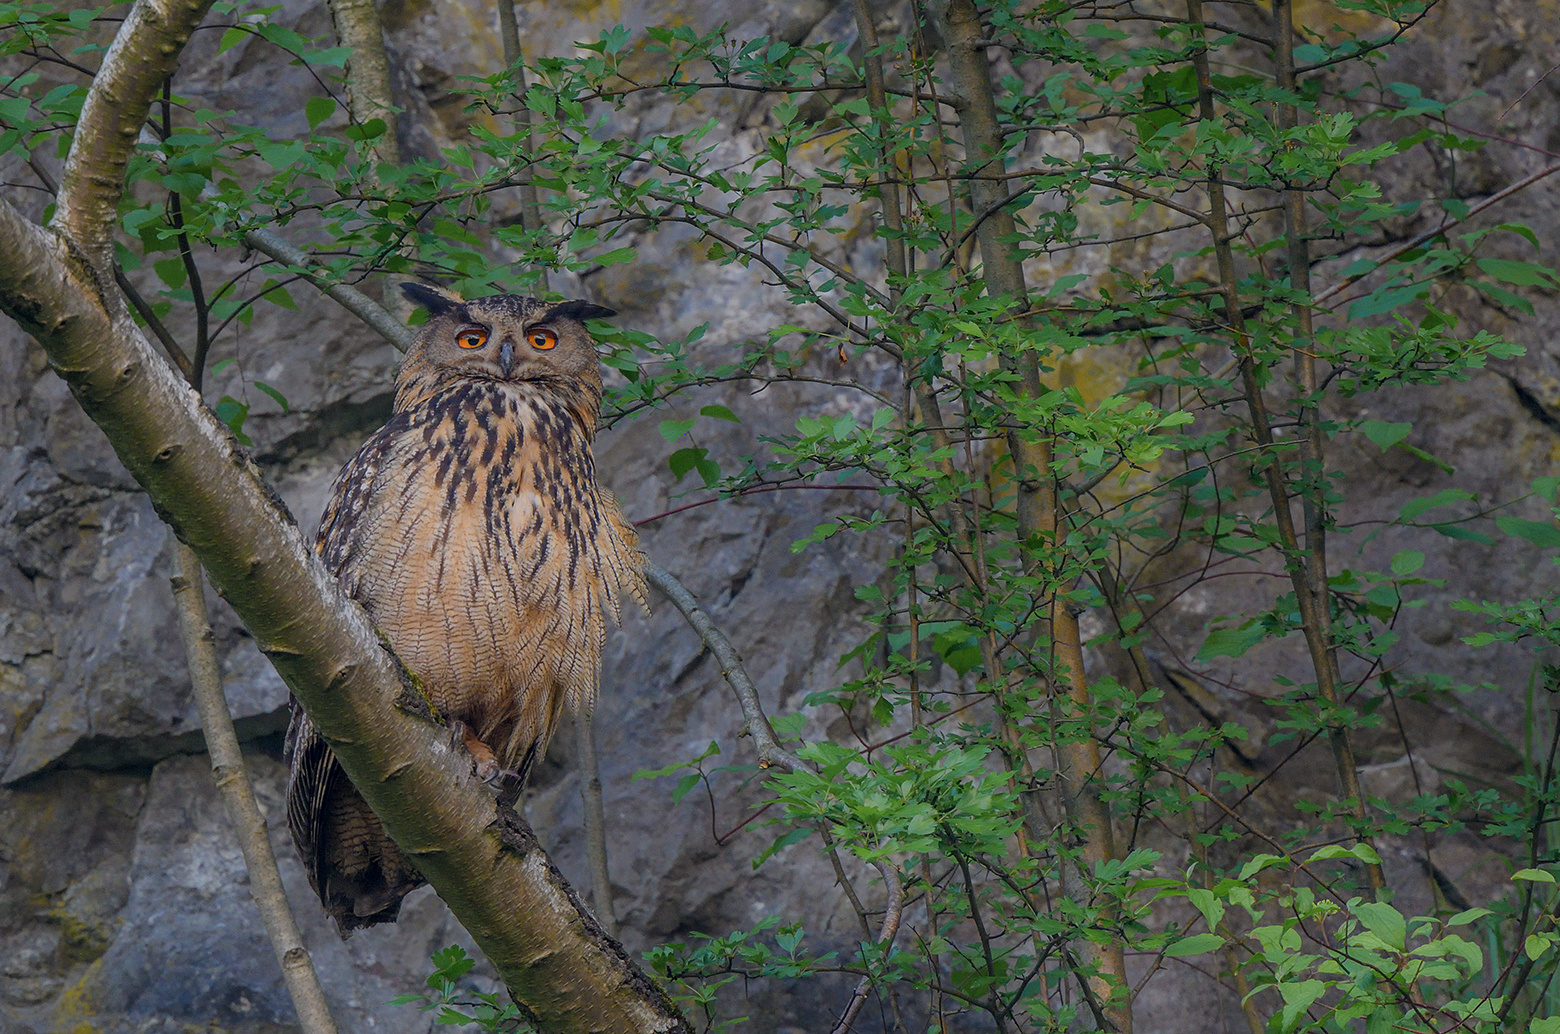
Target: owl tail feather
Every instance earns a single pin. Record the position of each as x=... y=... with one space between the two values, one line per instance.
x=358 y=872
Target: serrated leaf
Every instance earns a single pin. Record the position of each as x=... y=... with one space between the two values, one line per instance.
x=1382 y=920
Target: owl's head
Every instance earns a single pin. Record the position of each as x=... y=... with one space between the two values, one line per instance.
x=503 y=337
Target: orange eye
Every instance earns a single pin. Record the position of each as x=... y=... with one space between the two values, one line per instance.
x=542 y=339
x=471 y=338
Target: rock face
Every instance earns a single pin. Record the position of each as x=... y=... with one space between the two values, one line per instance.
x=123 y=902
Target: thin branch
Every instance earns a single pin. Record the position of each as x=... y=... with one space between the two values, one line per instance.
x=238 y=797
x=892 y=913
x=595 y=821
x=757 y=723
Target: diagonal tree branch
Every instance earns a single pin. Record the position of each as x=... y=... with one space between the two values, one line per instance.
x=561 y=968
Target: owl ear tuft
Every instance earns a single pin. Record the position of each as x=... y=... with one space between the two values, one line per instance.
x=436 y=300
x=580 y=310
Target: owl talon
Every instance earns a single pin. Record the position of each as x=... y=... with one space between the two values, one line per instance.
x=484 y=763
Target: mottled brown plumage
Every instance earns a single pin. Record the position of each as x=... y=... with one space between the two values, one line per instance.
x=472 y=529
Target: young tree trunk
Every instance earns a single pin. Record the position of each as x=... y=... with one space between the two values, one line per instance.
x=238 y=797
x=1003 y=271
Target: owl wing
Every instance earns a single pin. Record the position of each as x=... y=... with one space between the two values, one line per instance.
x=350 y=498
x=311 y=769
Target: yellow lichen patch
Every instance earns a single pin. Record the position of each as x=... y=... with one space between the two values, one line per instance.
x=76 y=1008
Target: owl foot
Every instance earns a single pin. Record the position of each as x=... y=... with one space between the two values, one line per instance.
x=484 y=763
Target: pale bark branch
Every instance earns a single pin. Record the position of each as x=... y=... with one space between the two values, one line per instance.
x=557 y=962
x=238 y=797
x=143 y=54
x=524 y=120
x=562 y=970
x=1036 y=507
x=892 y=913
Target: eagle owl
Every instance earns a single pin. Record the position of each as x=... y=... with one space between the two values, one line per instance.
x=473 y=531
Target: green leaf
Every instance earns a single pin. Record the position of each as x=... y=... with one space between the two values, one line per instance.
x=1385 y=435
x=958 y=647
x=1548 y=1025
x=685 y=784
x=1362 y=852
x=1457 y=531
x=1523 y=274
x=280 y=399
x=171 y=271
x=795 y=836
x=317 y=110
x=1230 y=642
x=672 y=430
x=233 y=413
x=720 y=413
x=1445 y=497
x=1198 y=944
x=1407 y=562
x=1382 y=920
x=1540 y=533
x=1259 y=862
x=1533 y=876
x=369 y=131
x=615 y=256
x=684 y=460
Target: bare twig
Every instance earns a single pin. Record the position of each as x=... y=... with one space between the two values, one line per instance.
x=1315 y=618
x=1419 y=240
x=769 y=750
x=238 y=797
x=350 y=298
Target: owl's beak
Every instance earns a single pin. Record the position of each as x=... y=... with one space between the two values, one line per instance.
x=506 y=356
